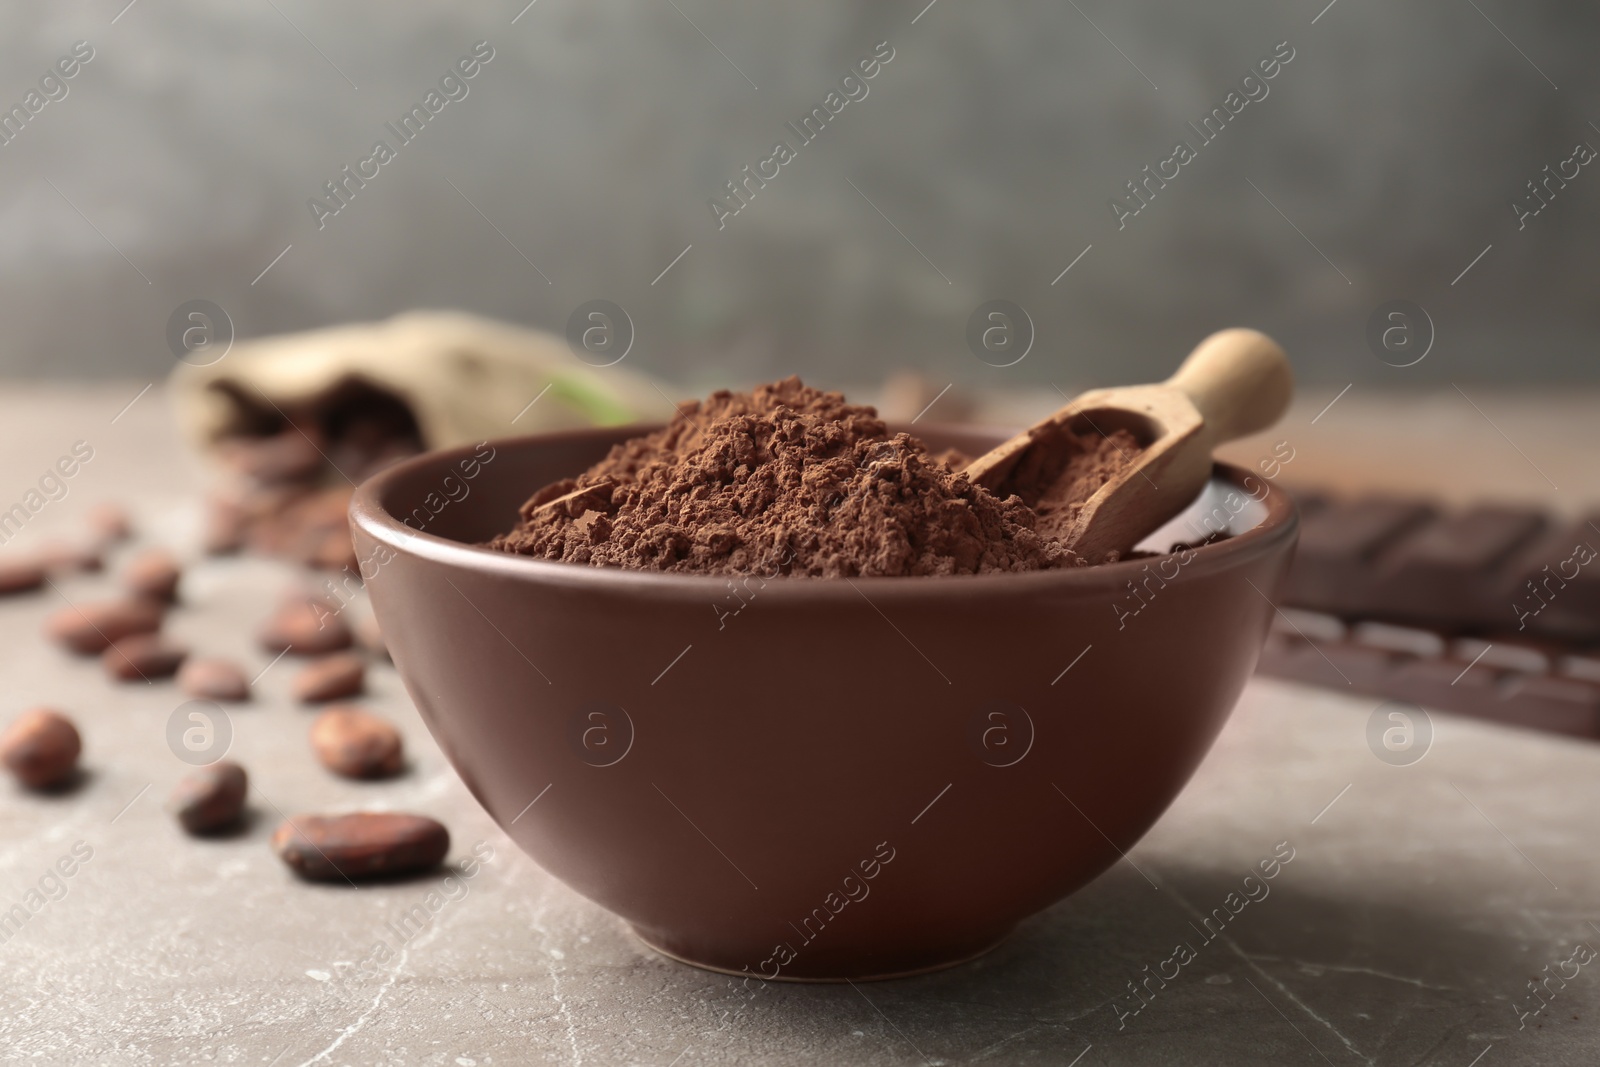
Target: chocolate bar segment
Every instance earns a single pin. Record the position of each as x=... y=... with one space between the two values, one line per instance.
x=1436 y=572
x=1553 y=586
x=1335 y=566
x=1488 y=570
x=1586 y=668
x=1491 y=611
x=1561 y=705
x=1394 y=638
x=1566 y=704
x=1502 y=655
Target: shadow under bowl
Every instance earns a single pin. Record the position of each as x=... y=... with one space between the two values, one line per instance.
x=811 y=779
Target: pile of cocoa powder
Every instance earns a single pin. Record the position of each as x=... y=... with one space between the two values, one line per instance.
x=785 y=479
x=1057 y=481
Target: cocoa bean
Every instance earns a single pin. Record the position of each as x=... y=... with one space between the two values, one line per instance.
x=92 y=627
x=331 y=678
x=356 y=743
x=315 y=529
x=65 y=556
x=210 y=799
x=110 y=522
x=142 y=658
x=225 y=527
x=334 y=551
x=305 y=625
x=326 y=509
x=360 y=845
x=290 y=455
x=268 y=529
x=154 y=574
x=41 y=747
x=213 y=679
x=20 y=576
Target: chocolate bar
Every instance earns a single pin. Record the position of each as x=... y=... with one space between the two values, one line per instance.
x=1486 y=570
x=1491 y=612
x=1521 y=685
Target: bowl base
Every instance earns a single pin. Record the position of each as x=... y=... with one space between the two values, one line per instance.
x=956 y=960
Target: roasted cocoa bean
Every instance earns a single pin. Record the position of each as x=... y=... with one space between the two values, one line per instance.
x=142 y=658
x=91 y=627
x=41 y=747
x=290 y=455
x=153 y=573
x=210 y=799
x=360 y=845
x=213 y=679
x=20 y=576
x=225 y=528
x=305 y=625
x=66 y=556
x=334 y=677
x=355 y=743
x=110 y=523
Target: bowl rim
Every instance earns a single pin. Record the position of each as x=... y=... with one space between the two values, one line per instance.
x=367 y=514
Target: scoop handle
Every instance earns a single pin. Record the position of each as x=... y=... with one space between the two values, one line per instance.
x=1239 y=380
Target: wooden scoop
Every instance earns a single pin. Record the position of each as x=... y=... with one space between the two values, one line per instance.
x=1234 y=383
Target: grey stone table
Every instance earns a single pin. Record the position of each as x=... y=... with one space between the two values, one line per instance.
x=1418 y=904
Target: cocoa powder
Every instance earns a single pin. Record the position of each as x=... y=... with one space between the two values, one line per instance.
x=785 y=479
x=1057 y=480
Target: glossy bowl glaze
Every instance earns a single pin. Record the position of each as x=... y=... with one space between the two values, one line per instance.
x=799 y=778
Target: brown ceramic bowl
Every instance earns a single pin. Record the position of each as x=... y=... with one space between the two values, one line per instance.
x=804 y=778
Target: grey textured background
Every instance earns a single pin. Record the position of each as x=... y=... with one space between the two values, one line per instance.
x=1395 y=141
